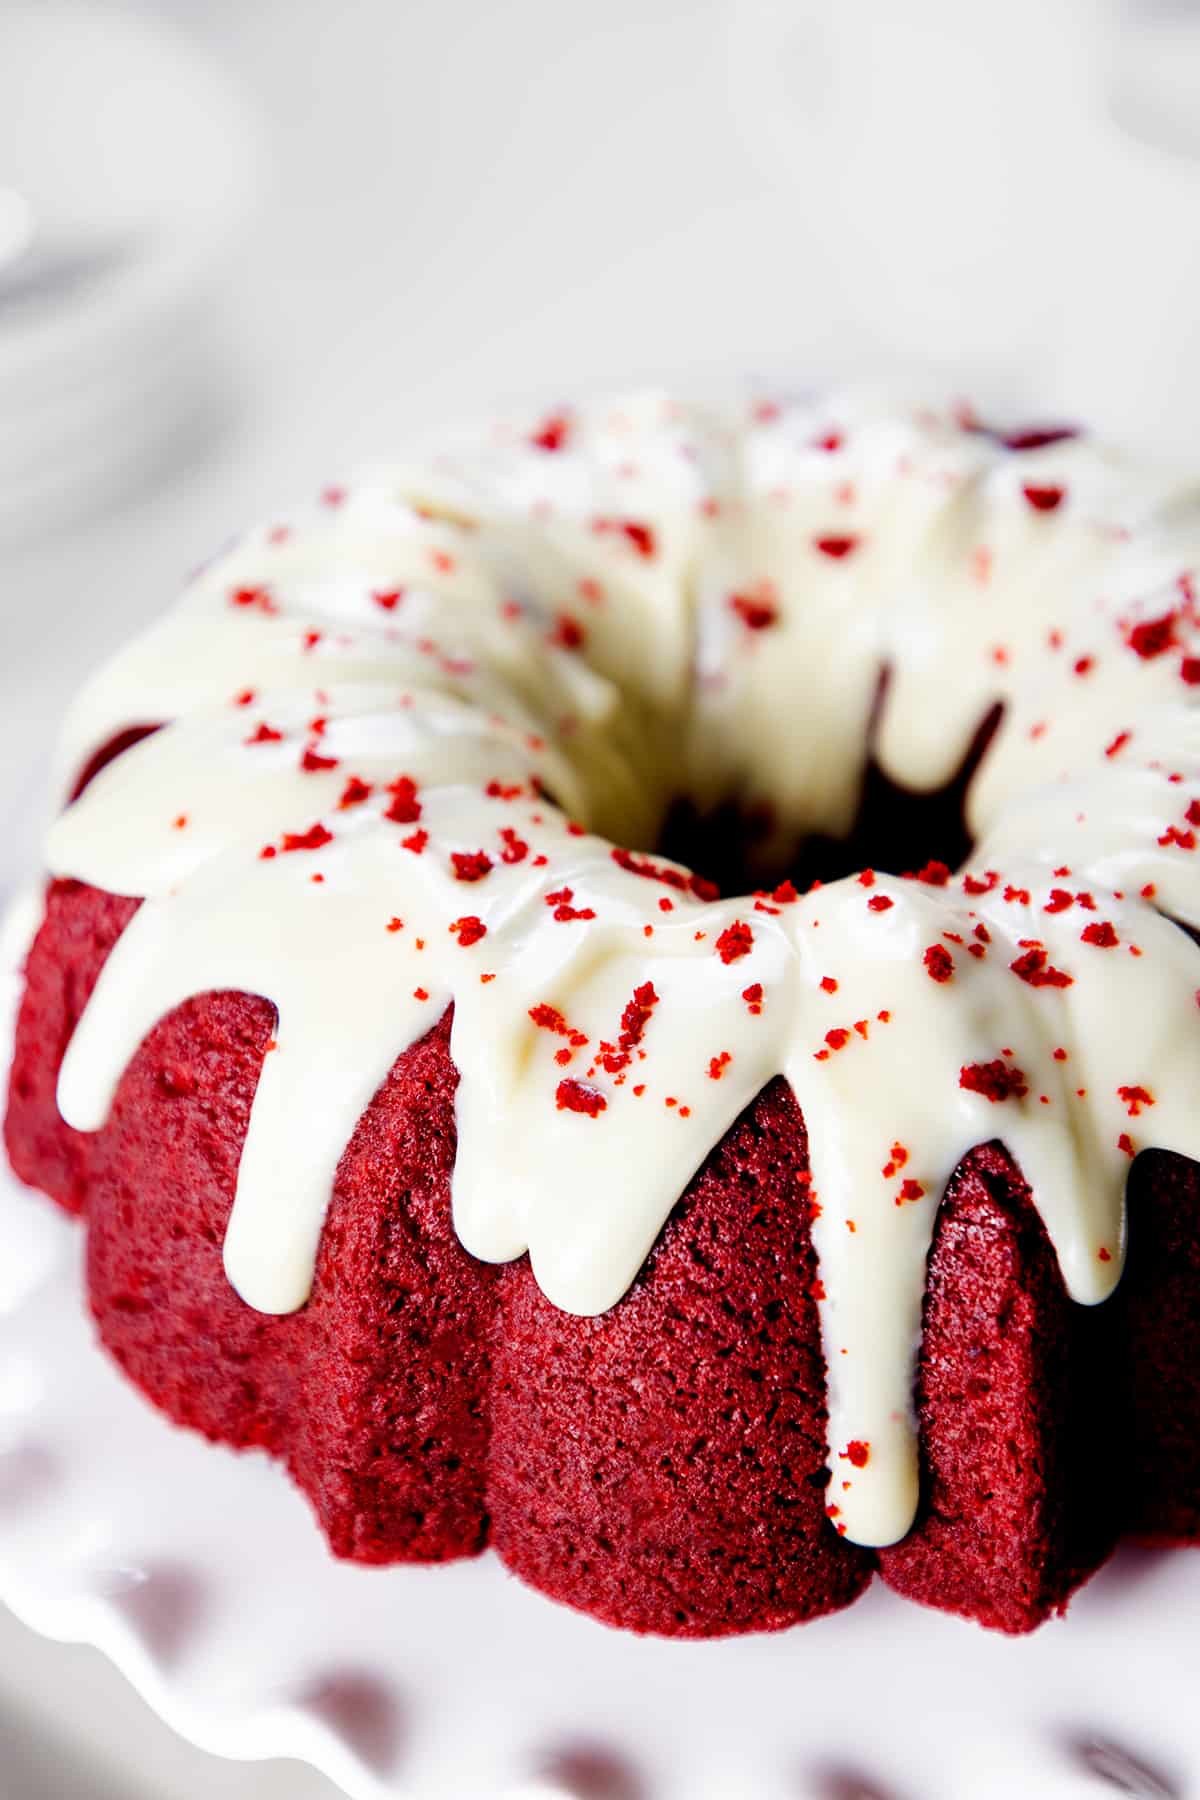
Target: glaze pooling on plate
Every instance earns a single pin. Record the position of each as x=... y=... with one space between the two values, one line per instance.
x=407 y=725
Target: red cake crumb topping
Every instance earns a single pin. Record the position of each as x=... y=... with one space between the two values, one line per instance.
x=1043 y=499
x=560 y=902
x=640 y=535
x=469 y=930
x=264 y=734
x=736 y=941
x=405 y=807
x=568 y=633
x=995 y=1080
x=836 y=545
x=575 y=1096
x=679 y=879
x=1153 y=636
x=634 y=1020
x=312 y=839
x=939 y=964
x=354 y=793
x=1034 y=966
x=471 y=865
x=756 y=611
x=1101 y=934
x=312 y=763
x=552 y=434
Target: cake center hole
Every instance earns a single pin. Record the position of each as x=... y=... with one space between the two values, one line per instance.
x=895 y=832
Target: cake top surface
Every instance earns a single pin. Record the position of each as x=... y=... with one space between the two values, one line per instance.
x=419 y=740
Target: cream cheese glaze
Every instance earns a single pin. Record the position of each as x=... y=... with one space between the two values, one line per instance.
x=371 y=703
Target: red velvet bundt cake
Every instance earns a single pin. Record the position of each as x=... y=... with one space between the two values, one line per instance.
x=705 y=1257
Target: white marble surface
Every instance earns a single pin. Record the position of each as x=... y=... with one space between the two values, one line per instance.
x=472 y=201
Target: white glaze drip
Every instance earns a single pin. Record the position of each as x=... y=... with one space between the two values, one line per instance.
x=621 y=609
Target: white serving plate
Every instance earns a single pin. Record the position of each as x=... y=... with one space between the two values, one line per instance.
x=201 y=1575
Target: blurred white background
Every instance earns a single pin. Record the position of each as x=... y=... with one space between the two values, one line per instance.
x=278 y=236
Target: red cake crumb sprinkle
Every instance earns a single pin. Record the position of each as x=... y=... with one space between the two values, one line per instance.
x=1101 y=934
x=1135 y=1098
x=1103 y=1255
x=867 y=878
x=1043 y=499
x=354 y=793
x=753 y=996
x=736 y=941
x=1183 y=840
x=574 y=1096
x=756 y=612
x=838 y=1038
x=910 y=1190
x=880 y=903
x=939 y=964
x=995 y=1080
x=1083 y=665
x=718 y=1065
x=679 y=879
x=829 y=983
x=387 y=598
x=858 y=1452
x=420 y=994
x=641 y=536
x=836 y=545
x=560 y=903
x=1059 y=901
x=552 y=434
x=896 y=1161
x=416 y=841
x=934 y=874
x=471 y=865
x=1153 y=636
x=312 y=839
x=634 y=1020
x=314 y=764
x=515 y=848
x=1125 y=1143
x=1189 y=670
x=395 y=924
x=1118 y=743
x=264 y=734
x=500 y=790
x=469 y=930
x=259 y=597
x=568 y=633
x=1035 y=967
x=981 y=884
x=405 y=807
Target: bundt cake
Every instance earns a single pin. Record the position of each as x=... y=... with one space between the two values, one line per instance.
x=438 y=1132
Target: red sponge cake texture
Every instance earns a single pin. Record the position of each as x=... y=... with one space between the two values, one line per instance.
x=662 y=1466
